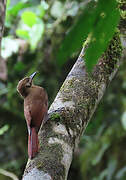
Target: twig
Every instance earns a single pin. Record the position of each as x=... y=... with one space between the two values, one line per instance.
x=9 y=174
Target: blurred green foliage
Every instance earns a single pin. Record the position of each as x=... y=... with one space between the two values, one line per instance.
x=36 y=33
x=95 y=21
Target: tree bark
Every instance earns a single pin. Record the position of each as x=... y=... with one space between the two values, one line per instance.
x=71 y=111
x=2 y=17
x=3 y=71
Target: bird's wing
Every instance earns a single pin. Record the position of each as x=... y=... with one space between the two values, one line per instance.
x=27 y=114
x=35 y=109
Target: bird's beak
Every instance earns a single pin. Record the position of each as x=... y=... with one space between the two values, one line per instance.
x=33 y=75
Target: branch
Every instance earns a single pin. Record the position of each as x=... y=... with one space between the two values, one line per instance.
x=9 y=174
x=71 y=111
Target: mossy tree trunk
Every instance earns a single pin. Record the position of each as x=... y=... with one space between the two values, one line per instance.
x=72 y=109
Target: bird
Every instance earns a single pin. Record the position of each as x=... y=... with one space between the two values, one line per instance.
x=35 y=110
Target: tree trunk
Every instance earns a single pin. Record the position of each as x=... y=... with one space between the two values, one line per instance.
x=72 y=109
x=2 y=17
x=3 y=71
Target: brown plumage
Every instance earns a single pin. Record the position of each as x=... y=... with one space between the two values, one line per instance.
x=35 y=110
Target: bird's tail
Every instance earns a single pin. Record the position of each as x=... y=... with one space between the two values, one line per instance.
x=32 y=143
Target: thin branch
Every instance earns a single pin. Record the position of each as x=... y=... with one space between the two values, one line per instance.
x=9 y=174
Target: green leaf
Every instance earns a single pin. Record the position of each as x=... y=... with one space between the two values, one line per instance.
x=8 y=3
x=22 y=33
x=102 y=31
x=36 y=34
x=100 y=20
x=3 y=129
x=74 y=39
x=16 y=8
x=13 y=11
x=40 y=11
x=29 y=18
x=31 y=34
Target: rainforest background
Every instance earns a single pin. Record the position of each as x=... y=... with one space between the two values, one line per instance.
x=47 y=36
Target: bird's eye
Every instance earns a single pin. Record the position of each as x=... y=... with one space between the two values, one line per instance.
x=28 y=84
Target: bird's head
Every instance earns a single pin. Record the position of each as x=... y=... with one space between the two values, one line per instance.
x=25 y=84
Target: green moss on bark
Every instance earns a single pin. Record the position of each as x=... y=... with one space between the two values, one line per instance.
x=122 y=7
x=83 y=92
x=109 y=60
x=50 y=161
x=56 y=117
